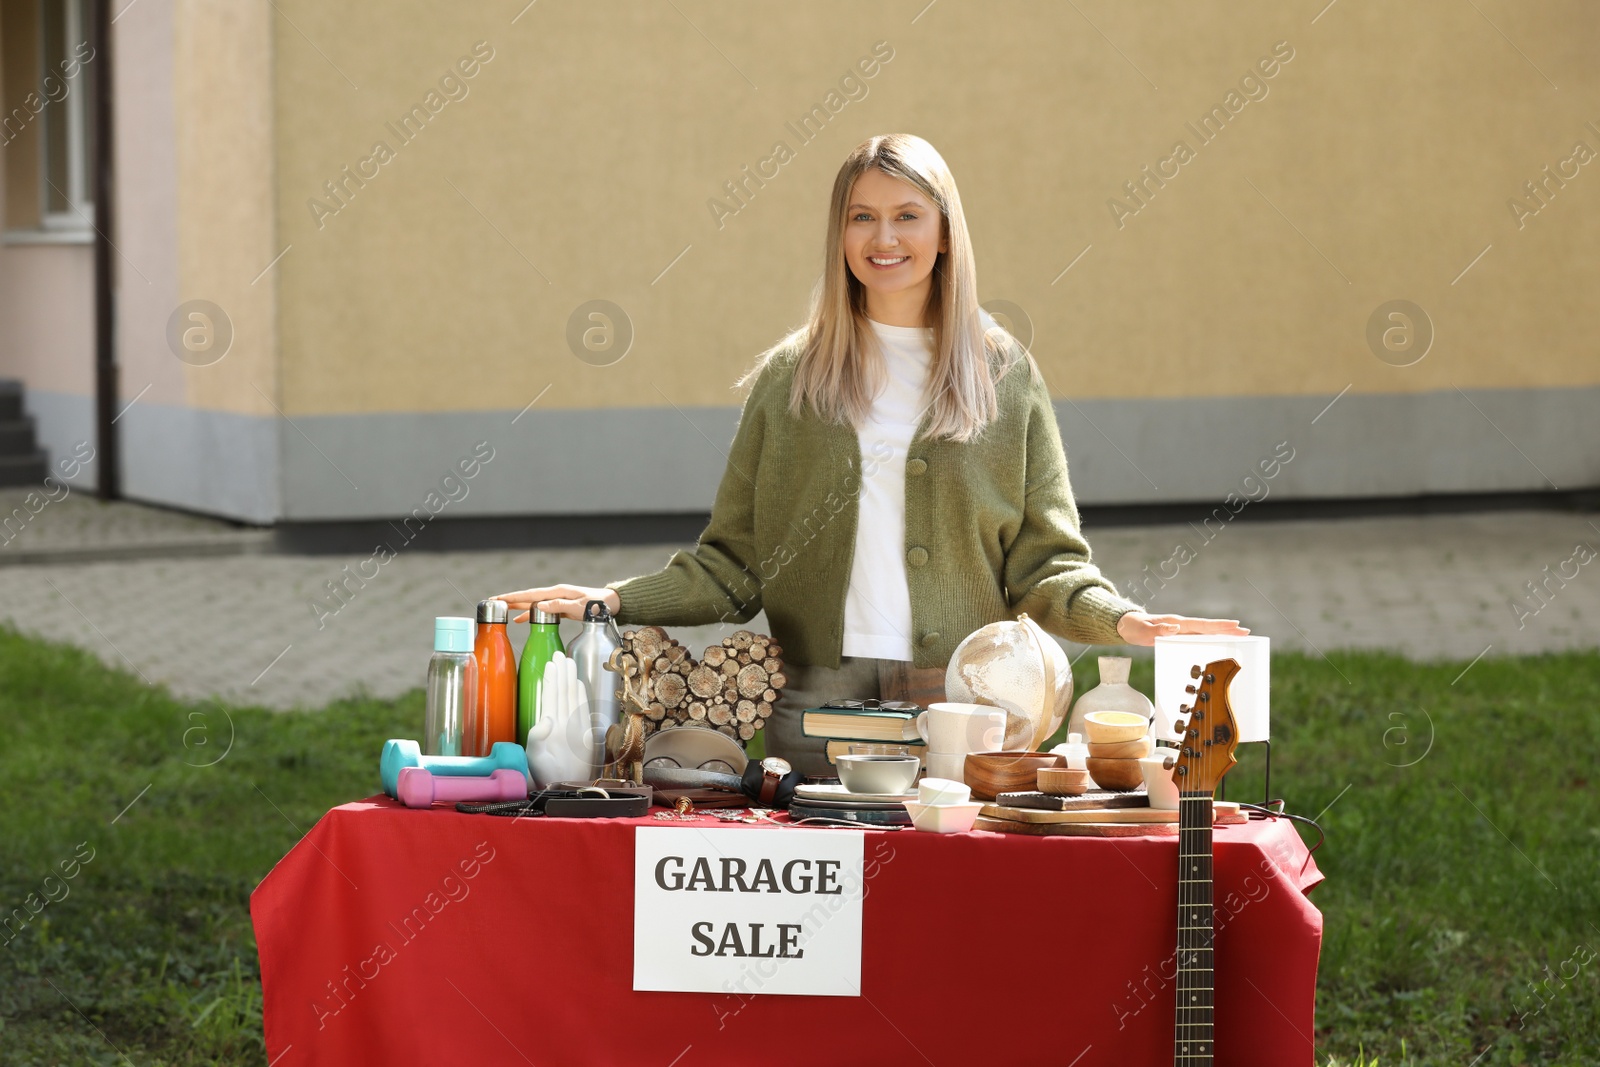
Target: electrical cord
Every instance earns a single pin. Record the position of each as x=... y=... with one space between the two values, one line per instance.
x=1265 y=811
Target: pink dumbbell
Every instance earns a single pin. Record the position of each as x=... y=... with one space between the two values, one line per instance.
x=419 y=787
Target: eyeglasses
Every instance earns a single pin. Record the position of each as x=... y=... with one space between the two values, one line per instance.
x=874 y=704
x=720 y=766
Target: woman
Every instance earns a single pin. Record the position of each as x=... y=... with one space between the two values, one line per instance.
x=897 y=479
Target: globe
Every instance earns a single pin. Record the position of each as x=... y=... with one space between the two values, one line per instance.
x=1013 y=665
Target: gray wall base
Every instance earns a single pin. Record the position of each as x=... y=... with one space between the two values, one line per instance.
x=658 y=462
x=212 y=462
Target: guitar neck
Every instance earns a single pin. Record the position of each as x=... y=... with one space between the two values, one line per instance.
x=1191 y=1045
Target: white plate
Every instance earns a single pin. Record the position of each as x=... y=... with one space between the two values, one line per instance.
x=696 y=748
x=835 y=791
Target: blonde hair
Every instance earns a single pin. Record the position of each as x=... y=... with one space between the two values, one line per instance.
x=840 y=368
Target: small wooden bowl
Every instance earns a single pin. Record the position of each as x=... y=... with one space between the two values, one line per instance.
x=1108 y=727
x=992 y=773
x=1123 y=775
x=1063 y=781
x=1123 y=749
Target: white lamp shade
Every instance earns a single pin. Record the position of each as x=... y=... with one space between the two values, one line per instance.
x=1249 y=696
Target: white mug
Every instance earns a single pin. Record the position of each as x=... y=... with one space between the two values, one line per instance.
x=946 y=765
x=1158 y=781
x=957 y=729
x=937 y=791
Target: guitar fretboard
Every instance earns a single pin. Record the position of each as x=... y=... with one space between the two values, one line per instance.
x=1192 y=1033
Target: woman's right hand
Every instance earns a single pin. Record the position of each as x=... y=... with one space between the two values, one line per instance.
x=564 y=600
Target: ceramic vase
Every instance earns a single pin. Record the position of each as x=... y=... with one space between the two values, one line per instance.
x=1112 y=694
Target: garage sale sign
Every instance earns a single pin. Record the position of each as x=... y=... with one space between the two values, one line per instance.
x=722 y=910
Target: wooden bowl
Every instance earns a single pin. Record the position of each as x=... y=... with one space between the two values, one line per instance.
x=1123 y=775
x=1063 y=781
x=1109 y=727
x=992 y=773
x=1123 y=749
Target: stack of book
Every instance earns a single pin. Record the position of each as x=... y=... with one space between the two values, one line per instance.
x=845 y=727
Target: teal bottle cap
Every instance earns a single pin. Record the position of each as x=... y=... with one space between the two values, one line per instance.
x=453 y=634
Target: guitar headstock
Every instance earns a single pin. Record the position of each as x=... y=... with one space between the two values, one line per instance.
x=1207 y=740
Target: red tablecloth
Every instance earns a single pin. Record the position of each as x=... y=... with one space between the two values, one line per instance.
x=390 y=936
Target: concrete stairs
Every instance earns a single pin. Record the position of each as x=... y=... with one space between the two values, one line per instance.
x=22 y=461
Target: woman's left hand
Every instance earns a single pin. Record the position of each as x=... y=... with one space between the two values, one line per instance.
x=1141 y=628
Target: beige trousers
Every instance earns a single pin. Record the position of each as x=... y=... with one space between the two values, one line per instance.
x=856 y=678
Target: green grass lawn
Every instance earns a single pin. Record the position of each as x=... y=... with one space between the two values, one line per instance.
x=1461 y=902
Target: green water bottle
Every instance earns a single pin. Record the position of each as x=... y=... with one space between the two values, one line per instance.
x=544 y=641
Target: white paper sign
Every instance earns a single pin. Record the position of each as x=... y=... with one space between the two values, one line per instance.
x=744 y=911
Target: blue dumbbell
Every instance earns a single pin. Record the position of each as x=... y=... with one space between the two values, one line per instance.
x=399 y=753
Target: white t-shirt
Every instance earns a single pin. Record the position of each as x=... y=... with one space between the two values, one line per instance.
x=877 y=607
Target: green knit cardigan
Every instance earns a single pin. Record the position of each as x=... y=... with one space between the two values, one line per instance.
x=991 y=531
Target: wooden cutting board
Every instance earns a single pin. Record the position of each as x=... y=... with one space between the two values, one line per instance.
x=1078 y=829
x=1223 y=812
x=1095 y=798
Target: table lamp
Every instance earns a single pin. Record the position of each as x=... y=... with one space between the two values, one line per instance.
x=1248 y=695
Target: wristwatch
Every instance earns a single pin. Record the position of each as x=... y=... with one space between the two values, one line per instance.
x=774 y=769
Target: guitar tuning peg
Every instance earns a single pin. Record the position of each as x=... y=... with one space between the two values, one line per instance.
x=1183 y=709
x=1178 y=727
x=1188 y=689
x=1195 y=671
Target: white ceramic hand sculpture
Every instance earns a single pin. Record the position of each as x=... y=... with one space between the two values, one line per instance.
x=560 y=746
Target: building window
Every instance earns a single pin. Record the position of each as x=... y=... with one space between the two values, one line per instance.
x=67 y=161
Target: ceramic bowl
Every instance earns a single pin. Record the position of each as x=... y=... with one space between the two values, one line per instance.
x=1136 y=749
x=1109 y=727
x=891 y=775
x=992 y=773
x=1119 y=774
x=943 y=818
x=1063 y=781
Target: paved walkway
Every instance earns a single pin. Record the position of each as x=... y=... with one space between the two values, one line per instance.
x=243 y=626
x=37 y=529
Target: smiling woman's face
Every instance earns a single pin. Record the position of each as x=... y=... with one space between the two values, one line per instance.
x=892 y=235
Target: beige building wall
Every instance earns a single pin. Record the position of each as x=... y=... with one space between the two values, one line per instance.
x=396 y=296
x=196 y=224
x=1353 y=157
x=1376 y=166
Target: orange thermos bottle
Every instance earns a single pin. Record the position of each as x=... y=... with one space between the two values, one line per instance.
x=497 y=680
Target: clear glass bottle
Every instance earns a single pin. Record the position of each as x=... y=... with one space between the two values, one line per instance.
x=452 y=699
x=544 y=641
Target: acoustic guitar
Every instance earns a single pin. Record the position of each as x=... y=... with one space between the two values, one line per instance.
x=1206 y=742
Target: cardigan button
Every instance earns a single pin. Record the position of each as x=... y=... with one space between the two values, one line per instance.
x=916 y=466
x=929 y=638
x=917 y=556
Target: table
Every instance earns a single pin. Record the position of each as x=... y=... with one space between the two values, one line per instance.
x=390 y=936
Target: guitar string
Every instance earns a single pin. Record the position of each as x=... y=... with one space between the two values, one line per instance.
x=1189 y=899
